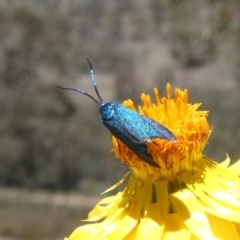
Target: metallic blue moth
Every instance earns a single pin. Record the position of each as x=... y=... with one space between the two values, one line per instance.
x=131 y=128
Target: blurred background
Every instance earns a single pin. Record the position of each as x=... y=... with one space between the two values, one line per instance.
x=55 y=157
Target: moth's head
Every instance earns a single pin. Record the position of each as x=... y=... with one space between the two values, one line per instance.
x=106 y=110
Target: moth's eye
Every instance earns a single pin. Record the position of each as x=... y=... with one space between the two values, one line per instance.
x=107 y=111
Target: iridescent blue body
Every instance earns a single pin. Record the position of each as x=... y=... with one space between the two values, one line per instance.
x=131 y=128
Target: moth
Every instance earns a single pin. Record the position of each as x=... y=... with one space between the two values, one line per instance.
x=131 y=128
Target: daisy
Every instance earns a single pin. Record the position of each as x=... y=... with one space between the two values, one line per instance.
x=189 y=197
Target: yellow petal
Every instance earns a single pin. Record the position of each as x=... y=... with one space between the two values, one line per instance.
x=135 y=196
x=103 y=208
x=236 y=167
x=117 y=184
x=226 y=162
x=212 y=206
x=211 y=186
x=189 y=209
x=231 y=187
x=128 y=222
x=220 y=211
x=175 y=229
x=208 y=185
x=85 y=232
x=237 y=226
x=219 y=171
x=152 y=225
x=111 y=223
x=223 y=229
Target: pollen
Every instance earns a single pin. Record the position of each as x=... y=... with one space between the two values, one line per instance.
x=184 y=120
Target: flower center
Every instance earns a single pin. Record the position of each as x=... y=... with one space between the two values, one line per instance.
x=189 y=125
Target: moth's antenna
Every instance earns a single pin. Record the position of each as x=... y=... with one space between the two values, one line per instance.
x=78 y=90
x=93 y=80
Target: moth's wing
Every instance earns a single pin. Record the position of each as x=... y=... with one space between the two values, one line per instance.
x=141 y=150
x=136 y=145
x=141 y=127
x=123 y=128
x=157 y=130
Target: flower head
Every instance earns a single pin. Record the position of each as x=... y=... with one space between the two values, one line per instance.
x=188 y=197
x=188 y=125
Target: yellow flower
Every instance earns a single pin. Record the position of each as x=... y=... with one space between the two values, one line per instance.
x=188 y=197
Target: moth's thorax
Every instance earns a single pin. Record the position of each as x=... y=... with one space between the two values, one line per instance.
x=106 y=110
